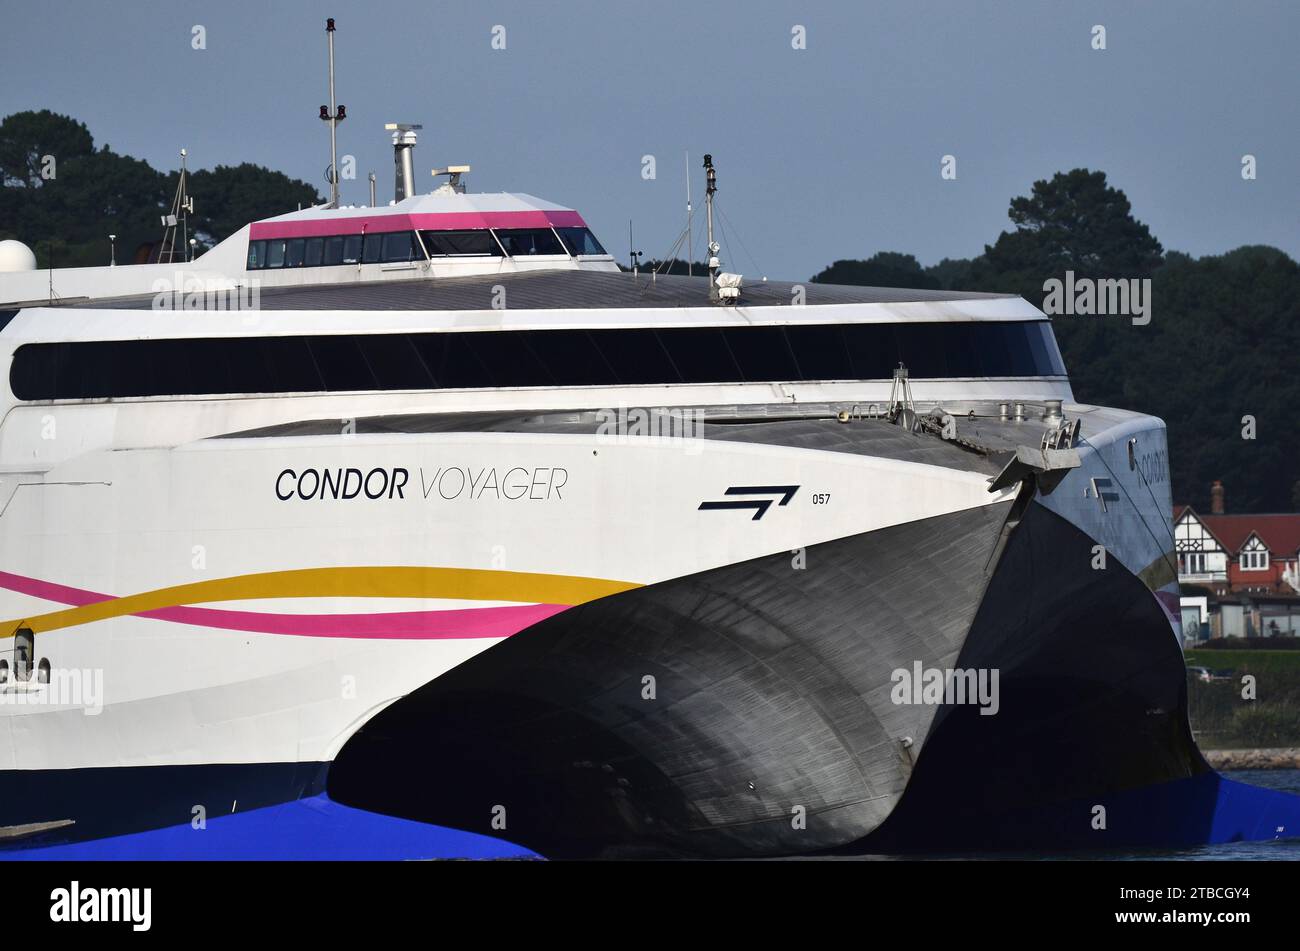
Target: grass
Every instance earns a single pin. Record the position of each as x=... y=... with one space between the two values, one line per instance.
x=1220 y=716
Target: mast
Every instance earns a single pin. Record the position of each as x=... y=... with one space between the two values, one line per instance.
x=182 y=205
x=710 y=188
x=333 y=114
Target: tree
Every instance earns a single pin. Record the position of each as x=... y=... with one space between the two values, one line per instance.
x=882 y=269
x=1220 y=346
x=97 y=192
x=228 y=197
x=1073 y=222
x=27 y=137
x=670 y=266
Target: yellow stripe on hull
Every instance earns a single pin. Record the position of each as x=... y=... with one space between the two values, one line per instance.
x=468 y=584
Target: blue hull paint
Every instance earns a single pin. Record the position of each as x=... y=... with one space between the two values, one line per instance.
x=1202 y=810
x=1207 y=809
x=315 y=828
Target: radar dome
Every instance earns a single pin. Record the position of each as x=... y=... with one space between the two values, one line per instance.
x=16 y=256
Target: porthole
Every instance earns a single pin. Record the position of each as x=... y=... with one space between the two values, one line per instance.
x=24 y=652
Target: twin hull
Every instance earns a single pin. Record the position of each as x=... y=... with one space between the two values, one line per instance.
x=709 y=679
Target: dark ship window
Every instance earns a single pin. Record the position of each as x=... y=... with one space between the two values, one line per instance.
x=522 y=242
x=523 y=358
x=402 y=246
x=275 y=253
x=256 y=254
x=457 y=243
x=312 y=257
x=579 y=241
x=333 y=251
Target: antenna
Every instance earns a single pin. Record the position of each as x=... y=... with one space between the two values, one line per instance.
x=632 y=256
x=710 y=188
x=372 y=189
x=333 y=115
x=690 y=239
x=453 y=183
x=182 y=206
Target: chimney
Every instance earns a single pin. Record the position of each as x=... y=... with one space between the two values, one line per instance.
x=1216 y=498
x=403 y=144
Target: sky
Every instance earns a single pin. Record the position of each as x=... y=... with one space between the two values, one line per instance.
x=834 y=150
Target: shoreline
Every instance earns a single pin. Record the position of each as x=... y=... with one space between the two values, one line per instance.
x=1286 y=757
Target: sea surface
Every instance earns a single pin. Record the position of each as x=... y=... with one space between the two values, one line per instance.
x=1277 y=850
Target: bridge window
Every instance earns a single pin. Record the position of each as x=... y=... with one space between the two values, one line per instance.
x=256 y=254
x=461 y=243
x=275 y=253
x=312 y=256
x=397 y=246
x=402 y=246
x=579 y=241
x=522 y=242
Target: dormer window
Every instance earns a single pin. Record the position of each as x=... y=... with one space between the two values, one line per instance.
x=1254 y=555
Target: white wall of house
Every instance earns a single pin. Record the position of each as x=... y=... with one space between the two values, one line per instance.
x=1200 y=557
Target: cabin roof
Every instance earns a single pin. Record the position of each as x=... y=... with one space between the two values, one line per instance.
x=572 y=289
x=444 y=211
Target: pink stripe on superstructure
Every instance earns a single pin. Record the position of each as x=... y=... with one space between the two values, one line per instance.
x=444 y=221
x=399 y=625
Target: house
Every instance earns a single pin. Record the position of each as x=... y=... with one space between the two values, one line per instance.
x=1240 y=573
x=1257 y=554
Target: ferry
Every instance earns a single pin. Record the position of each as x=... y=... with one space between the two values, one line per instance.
x=431 y=512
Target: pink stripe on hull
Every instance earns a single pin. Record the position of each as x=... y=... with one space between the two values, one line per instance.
x=400 y=625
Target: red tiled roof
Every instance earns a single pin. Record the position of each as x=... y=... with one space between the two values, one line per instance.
x=1178 y=512
x=1281 y=533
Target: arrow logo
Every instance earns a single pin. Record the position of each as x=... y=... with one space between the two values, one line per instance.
x=1102 y=489
x=760 y=506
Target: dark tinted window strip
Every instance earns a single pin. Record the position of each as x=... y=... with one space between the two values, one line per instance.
x=405 y=246
x=530 y=358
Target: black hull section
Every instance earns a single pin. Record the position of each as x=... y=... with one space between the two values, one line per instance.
x=771 y=700
x=1093 y=707
x=120 y=800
